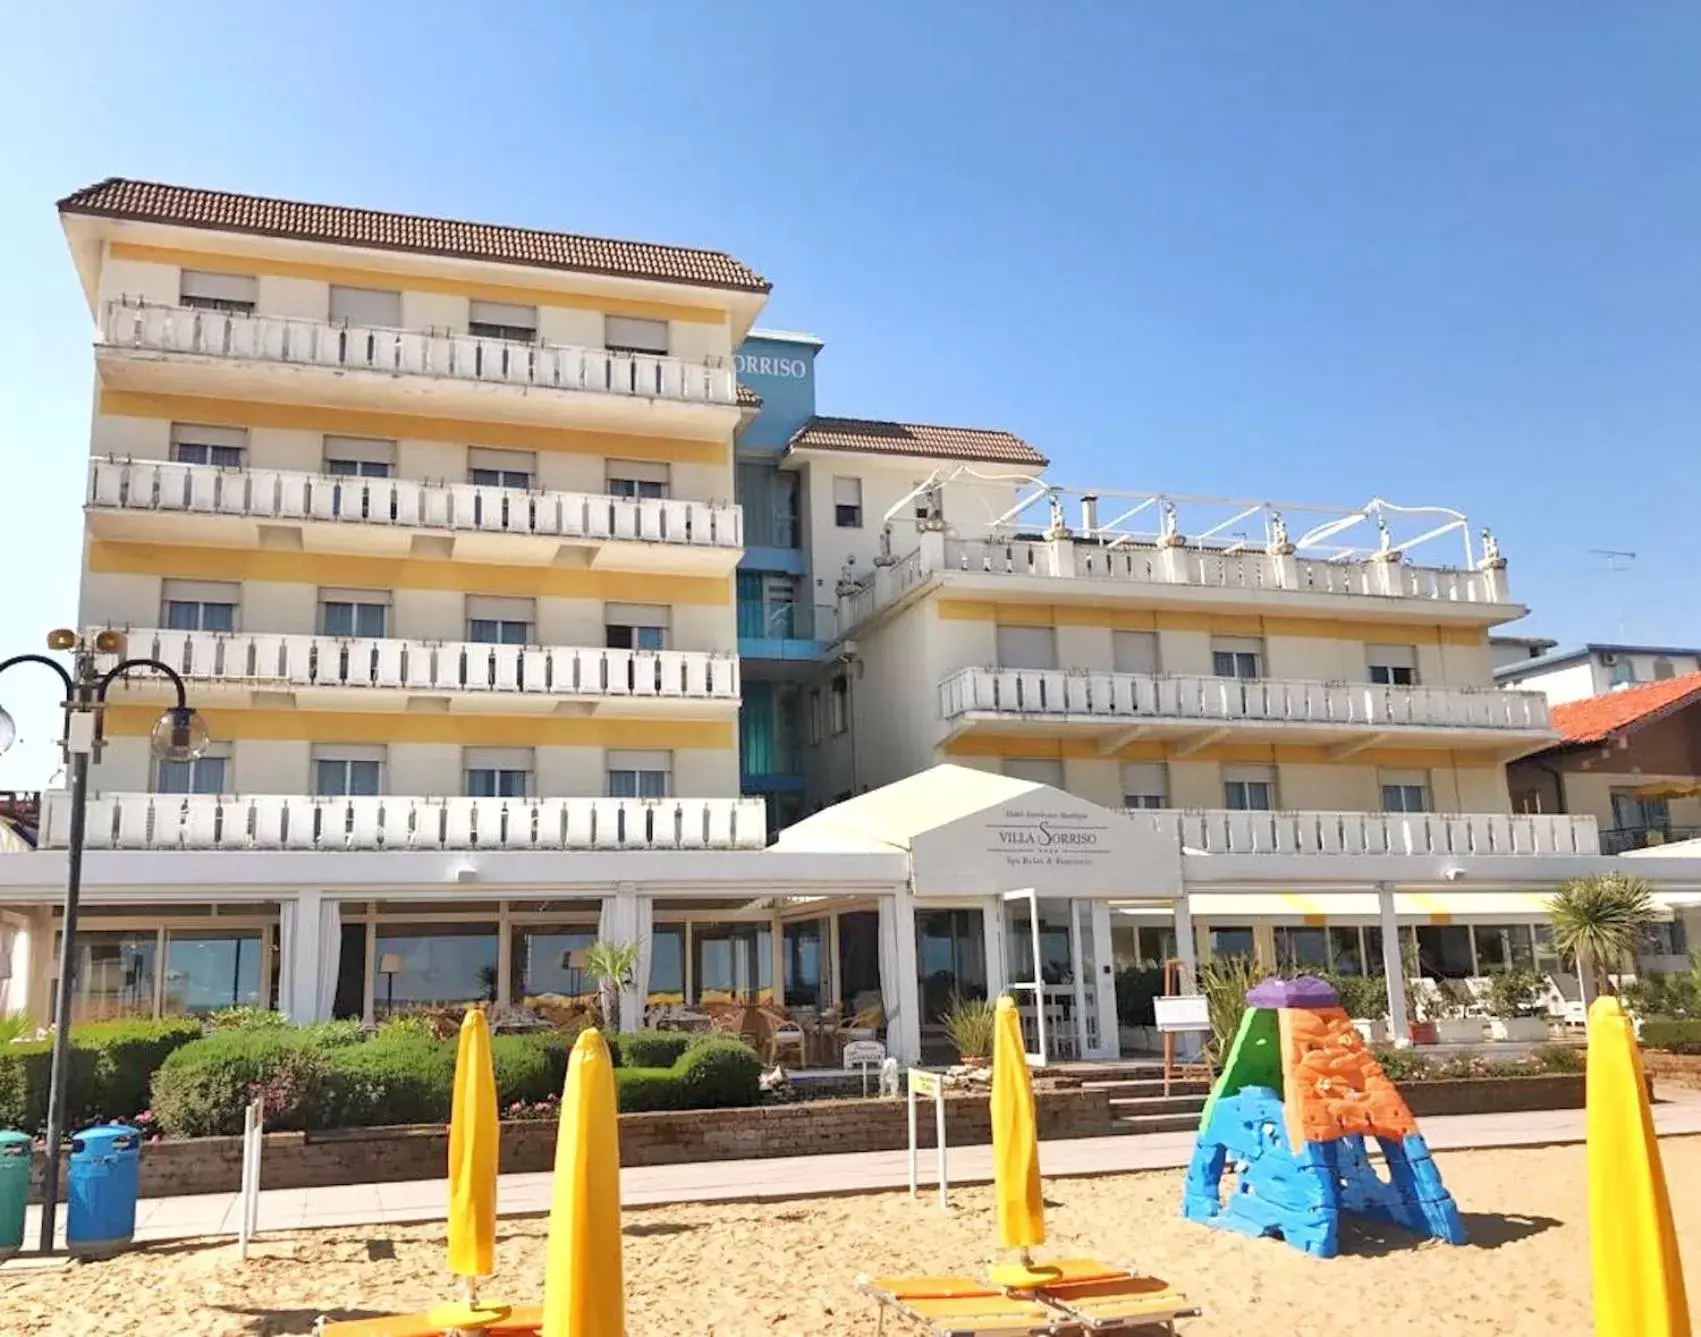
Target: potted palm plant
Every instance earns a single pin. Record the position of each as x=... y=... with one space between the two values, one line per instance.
x=1458 y=1023
x=1514 y=997
x=1365 y=998
x=1598 y=922
x=613 y=966
x=969 y=1022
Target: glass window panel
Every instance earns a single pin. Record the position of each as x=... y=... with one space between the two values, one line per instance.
x=733 y=963
x=1302 y=947
x=115 y=975
x=430 y=965
x=805 y=953
x=1155 y=945
x=1346 y=952
x=544 y=963
x=1444 y=951
x=204 y=775
x=1505 y=947
x=205 y=972
x=1247 y=795
x=859 y=960
x=667 y=964
x=950 y=958
x=1230 y=941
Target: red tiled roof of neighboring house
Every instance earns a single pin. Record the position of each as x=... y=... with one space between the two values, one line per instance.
x=185 y=206
x=904 y=438
x=1597 y=717
x=748 y=398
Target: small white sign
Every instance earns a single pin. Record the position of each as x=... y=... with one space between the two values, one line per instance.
x=861 y=1052
x=924 y=1083
x=1184 y=1012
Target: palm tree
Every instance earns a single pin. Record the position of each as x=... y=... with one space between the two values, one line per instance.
x=1599 y=921
x=612 y=965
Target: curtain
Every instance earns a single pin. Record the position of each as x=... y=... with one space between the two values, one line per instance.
x=891 y=974
x=643 y=921
x=608 y=920
x=330 y=958
x=286 y=959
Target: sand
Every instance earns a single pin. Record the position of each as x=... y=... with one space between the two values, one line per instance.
x=790 y=1267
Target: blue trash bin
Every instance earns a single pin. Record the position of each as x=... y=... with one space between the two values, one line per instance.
x=100 y=1190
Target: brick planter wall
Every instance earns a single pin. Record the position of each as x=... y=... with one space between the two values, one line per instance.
x=1678 y=1069
x=815 y=1127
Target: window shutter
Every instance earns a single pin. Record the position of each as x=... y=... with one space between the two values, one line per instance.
x=367 y=306
x=847 y=492
x=616 y=760
x=635 y=615
x=496 y=759
x=509 y=461
x=1392 y=656
x=1146 y=779
x=219 y=287
x=367 y=450
x=494 y=608
x=1134 y=651
x=197 y=434
x=647 y=336
x=1027 y=648
x=642 y=471
x=503 y=313
x=1039 y=770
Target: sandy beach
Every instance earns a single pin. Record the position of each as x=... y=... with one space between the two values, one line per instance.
x=790 y=1267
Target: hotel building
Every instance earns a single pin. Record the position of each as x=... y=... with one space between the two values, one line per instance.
x=529 y=601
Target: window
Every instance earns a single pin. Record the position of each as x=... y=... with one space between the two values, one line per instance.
x=1226 y=941
x=218 y=292
x=492 y=620
x=551 y=960
x=858 y=972
x=635 y=626
x=1631 y=812
x=624 y=334
x=359 y=457
x=206 y=971
x=115 y=975
x=498 y=772
x=1145 y=784
x=200 y=605
x=847 y=503
x=1134 y=651
x=1622 y=670
x=342 y=772
x=1301 y=948
x=501 y=468
x=838 y=704
x=1392 y=665
x=434 y=965
x=1346 y=952
x=354 y=612
x=1249 y=788
x=667 y=964
x=637 y=478
x=500 y=320
x=1663 y=669
x=222 y=447
x=380 y=307
x=1405 y=791
x=815 y=728
x=638 y=774
x=1237 y=657
x=950 y=958
x=1025 y=647
x=1444 y=952
x=1504 y=947
x=1037 y=770
x=733 y=962
x=804 y=951
x=204 y=775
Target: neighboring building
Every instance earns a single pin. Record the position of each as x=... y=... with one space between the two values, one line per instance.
x=1509 y=651
x=1631 y=759
x=434 y=517
x=1571 y=675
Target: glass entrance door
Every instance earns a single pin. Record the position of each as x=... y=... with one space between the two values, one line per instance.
x=1052 y=950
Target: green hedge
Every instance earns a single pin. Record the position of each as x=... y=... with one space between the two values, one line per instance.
x=1681 y=1036
x=640 y=1089
x=202 y=1089
x=112 y=1064
x=712 y=1072
x=653 y=1049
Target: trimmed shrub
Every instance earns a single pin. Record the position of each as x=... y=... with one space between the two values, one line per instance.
x=653 y=1049
x=404 y=1079
x=529 y=1068
x=112 y=1065
x=246 y=1019
x=638 y=1089
x=24 y=1073
x=1675 y=1034
x=718 y=1074
x=202 y=1089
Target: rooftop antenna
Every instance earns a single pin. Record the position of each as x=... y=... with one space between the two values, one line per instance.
x=1617 y=563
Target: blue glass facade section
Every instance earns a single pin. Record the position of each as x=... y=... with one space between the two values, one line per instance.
x=782 y=371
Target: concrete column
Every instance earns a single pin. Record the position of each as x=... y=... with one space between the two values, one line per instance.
x=1284 y=570
x=931 y=543
x=1186 y=944
x=1062 y=556
x=1393 y=965
x=626 y=918
x=299 y=955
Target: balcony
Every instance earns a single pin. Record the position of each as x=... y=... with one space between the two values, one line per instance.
x=147 y=499
x=298 y=822
x=1219 y=831
x=785 y=631
x=236 y=354
x=334 y=670
x=1058 y=570
x=1619 y=839
x=1122 y=707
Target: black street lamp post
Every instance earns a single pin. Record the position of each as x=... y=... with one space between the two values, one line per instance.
x=179 y=735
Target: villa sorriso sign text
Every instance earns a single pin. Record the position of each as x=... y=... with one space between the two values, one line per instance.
x=1026 y=838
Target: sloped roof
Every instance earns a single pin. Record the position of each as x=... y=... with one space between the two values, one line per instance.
x=1597 y=717
x=892 y=816
x=871 y=437
x=224 y=211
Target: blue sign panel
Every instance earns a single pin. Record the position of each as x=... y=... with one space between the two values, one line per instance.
x=782 y=370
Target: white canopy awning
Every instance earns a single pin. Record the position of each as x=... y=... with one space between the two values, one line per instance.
x=979 y=833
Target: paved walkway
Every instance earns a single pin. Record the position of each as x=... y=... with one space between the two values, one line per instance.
x=1677 y=1114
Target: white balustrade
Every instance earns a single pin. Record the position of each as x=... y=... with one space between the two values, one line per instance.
x=321 y=343
x=1130 y=696
x=267 y=659
x=1220 y=831
x=298 y=822
x=276 y=494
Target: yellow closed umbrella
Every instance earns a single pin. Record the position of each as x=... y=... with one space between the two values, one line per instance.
x=473 y=1145
x=1015 y=1147
x=1638 y=1276
x=584 y=1293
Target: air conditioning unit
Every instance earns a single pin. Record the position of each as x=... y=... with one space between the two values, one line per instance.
x=1608 y=658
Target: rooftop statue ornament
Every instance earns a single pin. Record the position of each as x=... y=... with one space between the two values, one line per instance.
x=1170 y=535
x=1279 y=545
x=1386 y=551
x=848 y=585
x=1491 y=558
x=1059 y=527
x=884 y=556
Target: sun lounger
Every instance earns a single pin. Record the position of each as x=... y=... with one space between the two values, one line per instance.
x=1082 y=1297
x=519 y=1321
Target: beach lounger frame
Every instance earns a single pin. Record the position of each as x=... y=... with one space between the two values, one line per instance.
x=1087 y=1297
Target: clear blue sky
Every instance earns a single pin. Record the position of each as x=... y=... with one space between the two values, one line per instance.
x=1307 y=250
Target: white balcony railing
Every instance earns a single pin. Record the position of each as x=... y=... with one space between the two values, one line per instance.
x=1133 y=696
x=460 y=357
x=296 y=822
x=1219 y=831
x=405 y=503
x=265 y=659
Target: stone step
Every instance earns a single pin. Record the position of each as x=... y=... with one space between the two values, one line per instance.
x=1152 y=1086
x=1127 y=1106
x=1158 y=1123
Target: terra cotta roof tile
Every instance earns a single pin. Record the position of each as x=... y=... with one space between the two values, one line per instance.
x=1597 y=717
x=869 y=437
x=185 y=206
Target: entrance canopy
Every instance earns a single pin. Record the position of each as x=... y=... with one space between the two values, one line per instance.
x=977 y=833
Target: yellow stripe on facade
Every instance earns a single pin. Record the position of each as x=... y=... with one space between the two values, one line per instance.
x=358 y=277
x=346 y=726
x=1428 y=905
x=1026 y=747
x=404 y=573
x=1304 y=906
x=396 y=426
x=1121 y=618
